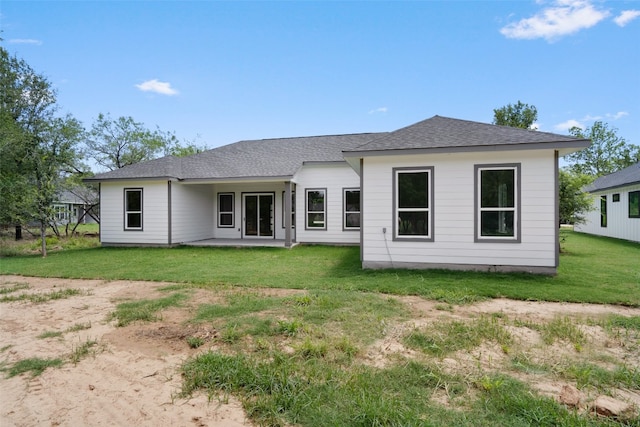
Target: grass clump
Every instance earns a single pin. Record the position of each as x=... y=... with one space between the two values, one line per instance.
x=50 y=334
x=195 y=342
x=563 y=329
x=43 y=297
x=35 y=366
x=83 y=350
x=444 y=337
x=14 y=288
x=505 y=401
x=286 y=390
x=590 y=375
x=145 y=310
x=56 y=334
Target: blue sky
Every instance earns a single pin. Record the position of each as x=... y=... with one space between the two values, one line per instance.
x=218 y=72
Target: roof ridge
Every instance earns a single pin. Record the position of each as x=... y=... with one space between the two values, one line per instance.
x=313 y=136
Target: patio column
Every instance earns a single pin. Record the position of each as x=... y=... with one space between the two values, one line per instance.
x=287 y=214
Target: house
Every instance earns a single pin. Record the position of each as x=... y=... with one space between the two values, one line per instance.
x=442 y=193
x=616 y=205
x=69 y=207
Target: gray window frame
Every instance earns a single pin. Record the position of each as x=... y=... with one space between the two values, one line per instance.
x=127 y=212
x=232 y=212
x=603 y=211
x=307 y=212
x=430 y=208
x=517 y=208
x=346 y=227
x=635 y=194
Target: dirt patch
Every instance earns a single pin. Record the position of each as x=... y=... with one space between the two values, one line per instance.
x=132 y=376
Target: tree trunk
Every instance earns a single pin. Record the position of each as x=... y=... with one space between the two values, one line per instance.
x=18 y=232
x=43 y=237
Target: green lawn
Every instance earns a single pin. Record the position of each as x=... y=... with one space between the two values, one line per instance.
x=592 y=269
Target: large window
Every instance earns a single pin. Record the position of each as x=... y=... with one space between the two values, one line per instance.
x=133 y=208
x=351 y=208
x=634 y=204
x=316 y=203
x=603 y=211
x=413 y=203
x=497 y=203
x=225 y=210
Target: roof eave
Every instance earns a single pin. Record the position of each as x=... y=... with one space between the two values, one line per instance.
x=137 y=178
x=216 y=180
x=564 y=147
x=611 y=187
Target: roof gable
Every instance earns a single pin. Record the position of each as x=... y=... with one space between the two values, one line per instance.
x=447 y=134
x=624 y=177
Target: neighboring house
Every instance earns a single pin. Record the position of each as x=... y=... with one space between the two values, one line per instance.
x=442 y=193
x=616 y=205
x=69 y=208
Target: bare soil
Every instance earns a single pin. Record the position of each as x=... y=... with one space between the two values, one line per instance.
x=132 y=377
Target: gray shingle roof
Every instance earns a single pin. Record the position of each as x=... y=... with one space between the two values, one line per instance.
x=263 y=158
x=624 y=177
x=282 y=157
x=451 y=134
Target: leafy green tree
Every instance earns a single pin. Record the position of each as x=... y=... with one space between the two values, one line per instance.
x=179 y=150
x=608 y=152
x=37 y=148
x=574 y=203
x=116 y=143
x=519 y=115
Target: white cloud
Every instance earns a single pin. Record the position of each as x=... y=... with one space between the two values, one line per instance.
x=379 y=110
x=562 y=18
x=582 y=123
x=617 y=116
x=26 y=41
x=626 y=16
x=156 y=86
x=565 y=126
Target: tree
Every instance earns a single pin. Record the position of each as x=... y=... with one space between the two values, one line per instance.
x=608 y=152
x=37 y=148
x=518 y=116
x=114 y=144
x=574 y=203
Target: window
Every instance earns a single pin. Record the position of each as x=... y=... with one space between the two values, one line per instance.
x=351 y=208
x=316 y=208
x=497 y=203
x=293 y=208
x=133 y=208
x=413 y=200
x=615 y=197
x=225 y=210
x=603 y=211
x=634 y=204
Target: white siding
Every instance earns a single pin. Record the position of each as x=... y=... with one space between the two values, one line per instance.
x=453 y=211
x=332 y=177
x=192 y=214
x=619 y=225
x=155 y=218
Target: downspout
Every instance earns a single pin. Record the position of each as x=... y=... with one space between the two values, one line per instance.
x=287 y=214
x=556 y=196
x=100 y=204
x=169 y=231
x=361 y=210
